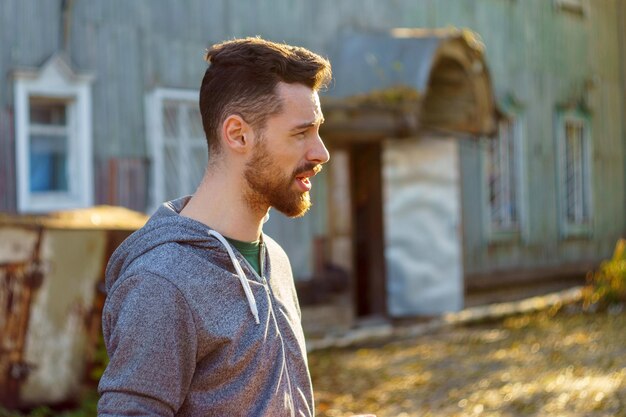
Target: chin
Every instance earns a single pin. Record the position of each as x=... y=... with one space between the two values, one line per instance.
x=296 y=209
x=299 y=214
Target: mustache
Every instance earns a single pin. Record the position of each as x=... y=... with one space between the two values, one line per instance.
x=307 y=167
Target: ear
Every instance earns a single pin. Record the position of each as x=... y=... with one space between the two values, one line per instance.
x=236 y=133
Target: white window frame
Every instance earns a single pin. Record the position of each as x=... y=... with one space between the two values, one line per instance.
x=493 y=234
x=154 y=116
x=56 y=81
x=567 y=228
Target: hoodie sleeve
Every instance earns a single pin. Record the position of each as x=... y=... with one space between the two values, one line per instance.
x=150 y=337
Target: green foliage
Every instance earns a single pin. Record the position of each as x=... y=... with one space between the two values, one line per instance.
x=607 y=286
x=37 y=412
x=101 y=360
x=88 y=407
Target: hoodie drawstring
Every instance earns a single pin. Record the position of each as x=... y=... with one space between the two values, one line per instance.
x=242 y=277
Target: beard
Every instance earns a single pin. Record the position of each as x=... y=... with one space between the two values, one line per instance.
x=268 y=186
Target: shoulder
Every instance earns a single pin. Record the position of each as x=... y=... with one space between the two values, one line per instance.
x=186 y=274
x=178 y=263
x=170 y=271
x=138 y=290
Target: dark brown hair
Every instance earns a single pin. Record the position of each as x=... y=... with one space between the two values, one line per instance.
x=242 y=77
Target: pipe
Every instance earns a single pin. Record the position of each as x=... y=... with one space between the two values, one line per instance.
x=66 y=20
x=621 y=41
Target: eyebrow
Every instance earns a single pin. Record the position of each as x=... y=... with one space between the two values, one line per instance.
x=309 y=124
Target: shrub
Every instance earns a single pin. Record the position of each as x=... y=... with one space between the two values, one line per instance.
x=607 y=286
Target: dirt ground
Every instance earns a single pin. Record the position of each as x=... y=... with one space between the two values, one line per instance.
x=565 y=363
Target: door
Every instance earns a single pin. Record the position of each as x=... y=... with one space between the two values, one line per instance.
x=368 y=234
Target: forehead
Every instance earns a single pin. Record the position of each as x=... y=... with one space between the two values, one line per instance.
x=300 y=103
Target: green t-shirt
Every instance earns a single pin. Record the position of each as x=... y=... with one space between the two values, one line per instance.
x=250 y=251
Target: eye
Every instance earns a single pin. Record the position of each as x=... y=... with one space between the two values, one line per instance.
x=300 y=134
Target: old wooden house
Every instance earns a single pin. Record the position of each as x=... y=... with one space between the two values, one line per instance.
x=474 y=144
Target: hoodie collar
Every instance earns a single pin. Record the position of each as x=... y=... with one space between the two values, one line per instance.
x=166 y=225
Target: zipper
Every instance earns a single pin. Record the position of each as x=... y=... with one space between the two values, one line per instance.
x=282 y=342
x=262 y=268
x=271 y=307
x=262 y=264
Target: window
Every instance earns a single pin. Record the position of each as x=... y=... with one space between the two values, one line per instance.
x=53 y=138
x=48 y=144
x=178 y=143
x=502 y=181
x=574 y=173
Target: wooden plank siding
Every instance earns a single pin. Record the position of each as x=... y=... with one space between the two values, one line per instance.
x=558 y=56
x=25 y=48
x=7 y=162
x=122 y=182
x=540 y=55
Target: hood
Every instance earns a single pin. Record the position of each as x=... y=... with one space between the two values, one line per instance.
x=166 y=225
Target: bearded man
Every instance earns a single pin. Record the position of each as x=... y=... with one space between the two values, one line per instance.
x=201 y=316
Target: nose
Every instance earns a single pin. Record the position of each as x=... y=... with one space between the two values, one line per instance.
x=318 y=152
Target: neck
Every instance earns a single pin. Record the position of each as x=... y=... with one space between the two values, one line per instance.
x=219 y=204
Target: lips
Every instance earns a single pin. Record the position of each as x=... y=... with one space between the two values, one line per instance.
x=302 y=179
x=303 y=183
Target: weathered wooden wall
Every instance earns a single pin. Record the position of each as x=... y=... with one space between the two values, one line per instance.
x=544 y=57
x=536 y=53
x=621 y=18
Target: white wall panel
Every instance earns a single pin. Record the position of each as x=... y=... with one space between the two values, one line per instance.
x=422 y=233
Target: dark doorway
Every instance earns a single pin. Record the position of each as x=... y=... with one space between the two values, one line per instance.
x=367 y=217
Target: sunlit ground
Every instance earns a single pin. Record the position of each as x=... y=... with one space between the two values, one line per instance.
x=565 y=363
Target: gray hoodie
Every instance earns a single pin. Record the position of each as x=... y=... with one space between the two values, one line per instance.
x=181 y=332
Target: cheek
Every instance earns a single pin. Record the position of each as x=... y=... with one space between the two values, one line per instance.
x=291 y=158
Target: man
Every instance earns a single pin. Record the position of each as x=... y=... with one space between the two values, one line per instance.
x=201 y=317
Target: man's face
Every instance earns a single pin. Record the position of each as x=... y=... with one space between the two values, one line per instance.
x=287 y=153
